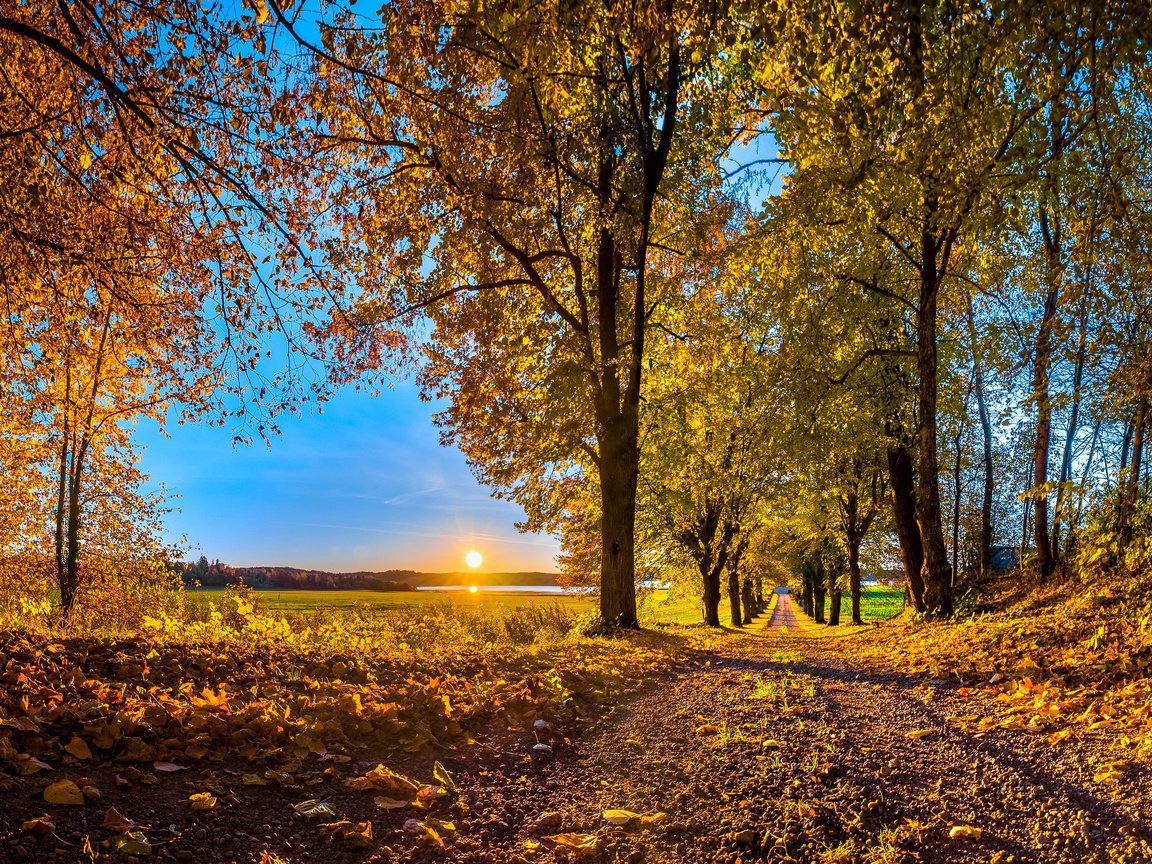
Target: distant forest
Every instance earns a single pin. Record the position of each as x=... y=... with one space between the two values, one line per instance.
x=215 y=574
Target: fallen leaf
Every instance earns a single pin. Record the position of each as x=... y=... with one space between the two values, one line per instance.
x=387 y=781
x=707 y=729
x=964 y=832
x=385 y=803
x=64 y=792
x=116 y=821
x=581 y=844
x=41 y=826
x=917 y=734
x=133 y=843
x=202 y=801
x=168 y=767
x=352 y=833
x=619 y=817
x=314 y=808
x=441 y=775
x=79 y=748
x=427 y=794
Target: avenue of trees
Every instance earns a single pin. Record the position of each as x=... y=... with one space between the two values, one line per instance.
x=722 y=292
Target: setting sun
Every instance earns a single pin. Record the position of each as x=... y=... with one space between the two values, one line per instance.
x=472 y=589
x=474 y=559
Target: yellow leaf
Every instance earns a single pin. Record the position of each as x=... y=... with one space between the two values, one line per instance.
x=707 y=729
x=64 y=792
x=78 y=747
x=133 y=843
x=582 y=844
x=964 y=832
x=917 y=734
x=385 y=803
x=619 y=817
x=202 y=801
x=352 y=833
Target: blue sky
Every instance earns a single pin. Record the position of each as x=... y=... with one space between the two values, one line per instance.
x=365 y=485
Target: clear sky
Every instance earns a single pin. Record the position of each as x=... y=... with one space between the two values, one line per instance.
x=365 y=485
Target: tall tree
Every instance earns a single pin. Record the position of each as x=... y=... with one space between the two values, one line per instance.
x=523 y=167
x=907 y=117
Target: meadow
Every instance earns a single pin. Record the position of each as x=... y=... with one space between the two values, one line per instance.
x=657 y=607
x=877 y=603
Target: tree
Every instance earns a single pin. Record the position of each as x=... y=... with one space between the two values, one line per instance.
x=519 y=168
x=900 y=121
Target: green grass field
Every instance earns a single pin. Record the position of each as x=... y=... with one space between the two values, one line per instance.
x=400 y=601
x=877 y=603
x=656 y=607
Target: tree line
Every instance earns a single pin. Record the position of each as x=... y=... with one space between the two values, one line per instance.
x=733 y=292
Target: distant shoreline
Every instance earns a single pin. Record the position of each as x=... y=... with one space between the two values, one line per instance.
x=218 y=575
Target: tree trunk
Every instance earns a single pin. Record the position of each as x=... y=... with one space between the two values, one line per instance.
x=1063 y=491
x=1074 y=526
x=71 y=583
x=618 y=476
x=1044 y=551
x=1051 y=229
x=854 y=579
x=989 y=478
x=734 y=613
x=956 y=509
x=1024 y=532
x=748 y=599
x=937 y=572
x=61 y=504
x=1130 y=484
x=835 y=599
x=818 y=613
x=711 y=576
x=618 y=439
x=984 y=541
x=902 y=480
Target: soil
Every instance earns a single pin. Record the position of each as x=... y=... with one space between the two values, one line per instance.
x=775 y=747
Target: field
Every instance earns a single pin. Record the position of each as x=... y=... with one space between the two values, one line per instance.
x=399 y=601
x=877 y=603
x=656 y=607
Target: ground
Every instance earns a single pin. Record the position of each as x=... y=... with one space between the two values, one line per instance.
x=773 y=746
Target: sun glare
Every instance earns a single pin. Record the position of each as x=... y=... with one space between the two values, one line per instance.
x=472 y=589
x=474 y=559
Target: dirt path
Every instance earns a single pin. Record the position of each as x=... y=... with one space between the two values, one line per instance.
x=776 y=749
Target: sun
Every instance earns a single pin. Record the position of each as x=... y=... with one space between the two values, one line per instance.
x=472 y=589
x=473 y=559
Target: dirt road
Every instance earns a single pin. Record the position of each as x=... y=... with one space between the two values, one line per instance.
x=776 y=748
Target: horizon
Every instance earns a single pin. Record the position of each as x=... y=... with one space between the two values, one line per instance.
x=363 y=485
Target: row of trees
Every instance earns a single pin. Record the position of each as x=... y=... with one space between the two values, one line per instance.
x=681 y=357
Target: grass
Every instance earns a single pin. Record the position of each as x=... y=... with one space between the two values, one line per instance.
x=404 y=601
x=877 y=603
x=656 y=607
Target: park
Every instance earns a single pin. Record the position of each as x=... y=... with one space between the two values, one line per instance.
x=674 y=431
